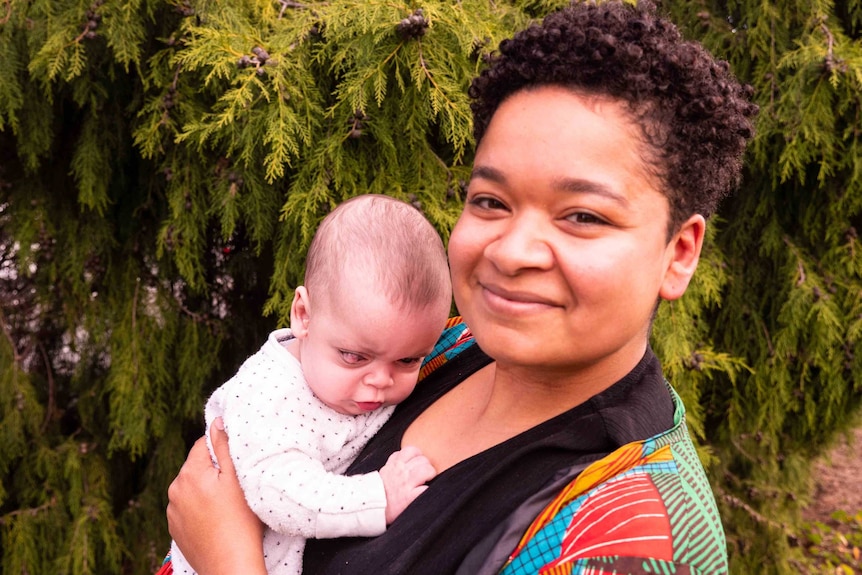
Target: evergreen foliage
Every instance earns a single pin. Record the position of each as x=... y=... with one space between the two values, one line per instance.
x=164 y=163
x=791 y=309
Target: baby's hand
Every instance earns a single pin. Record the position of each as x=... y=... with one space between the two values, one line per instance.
x=404 y=477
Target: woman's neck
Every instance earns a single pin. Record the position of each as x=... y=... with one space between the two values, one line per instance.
x=535 y=395
x=499 y=402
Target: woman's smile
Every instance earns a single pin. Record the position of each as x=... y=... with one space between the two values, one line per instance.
x=516 y=302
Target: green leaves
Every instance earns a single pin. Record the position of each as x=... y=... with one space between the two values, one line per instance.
x=91 y=165
x=790 y=307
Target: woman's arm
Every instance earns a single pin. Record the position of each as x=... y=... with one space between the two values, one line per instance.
x=208 y=516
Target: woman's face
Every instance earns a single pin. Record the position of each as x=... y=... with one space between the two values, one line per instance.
x=561 y=252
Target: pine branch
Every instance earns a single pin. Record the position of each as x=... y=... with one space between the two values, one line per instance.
x=285 y=4
x=8 y=6
x=32 y=511
x=51 y=407
x=134 y=331
x=829 y=62
x=738 y=503
x=16 y=357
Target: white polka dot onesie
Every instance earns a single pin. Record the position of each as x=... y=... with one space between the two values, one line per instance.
x=289 y=450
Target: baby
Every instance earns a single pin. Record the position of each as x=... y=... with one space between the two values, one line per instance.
x=376 y=298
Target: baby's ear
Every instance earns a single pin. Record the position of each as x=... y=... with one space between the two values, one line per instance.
x=300 y=313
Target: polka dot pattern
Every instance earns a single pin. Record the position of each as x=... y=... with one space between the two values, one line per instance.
x=289 y=450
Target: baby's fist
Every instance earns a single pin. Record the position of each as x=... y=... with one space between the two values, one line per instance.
x=404 y=477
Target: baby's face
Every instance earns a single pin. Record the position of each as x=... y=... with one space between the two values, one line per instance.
x=364 y=353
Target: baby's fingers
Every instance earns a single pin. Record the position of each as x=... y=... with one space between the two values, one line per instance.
x=408 y=452
x=420 y=469
x=415 y=467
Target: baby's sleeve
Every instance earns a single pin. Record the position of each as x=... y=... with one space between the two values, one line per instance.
x=294 y=495
x=274 y=440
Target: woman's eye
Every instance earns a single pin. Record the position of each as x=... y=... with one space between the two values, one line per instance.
x=351 y=357
x=487 y=203
x=585 y=218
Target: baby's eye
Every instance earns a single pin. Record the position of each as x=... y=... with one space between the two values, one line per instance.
x=351 y=356
x=408 y=361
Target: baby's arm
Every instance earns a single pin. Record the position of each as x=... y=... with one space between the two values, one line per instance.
x=294 y=495
x=404 y=477
x=278 y=464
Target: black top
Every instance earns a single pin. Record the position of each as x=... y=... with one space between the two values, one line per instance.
x=469 y=500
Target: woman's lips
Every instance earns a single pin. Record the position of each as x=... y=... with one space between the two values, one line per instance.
x=507 y=301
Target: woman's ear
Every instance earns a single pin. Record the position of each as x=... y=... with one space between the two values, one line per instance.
x=683 y=253
x=300 y=313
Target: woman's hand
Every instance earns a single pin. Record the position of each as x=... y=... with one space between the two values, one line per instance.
x=208 y=516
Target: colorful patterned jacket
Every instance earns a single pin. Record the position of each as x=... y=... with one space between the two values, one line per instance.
x=645 y=508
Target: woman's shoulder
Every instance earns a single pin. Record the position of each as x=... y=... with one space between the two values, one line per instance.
x=644 y=491
x=455 y=339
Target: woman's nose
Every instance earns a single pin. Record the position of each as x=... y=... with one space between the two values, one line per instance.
x=523 y=244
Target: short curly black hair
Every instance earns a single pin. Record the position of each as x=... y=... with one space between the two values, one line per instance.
x=694 y=115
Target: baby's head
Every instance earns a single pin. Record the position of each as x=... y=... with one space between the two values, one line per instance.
x=384 y=239
x=376 y=297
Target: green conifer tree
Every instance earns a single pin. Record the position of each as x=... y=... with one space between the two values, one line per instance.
x=164 y=163
x=791 y=308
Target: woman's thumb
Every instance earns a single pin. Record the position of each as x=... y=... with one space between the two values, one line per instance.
x=218 y=438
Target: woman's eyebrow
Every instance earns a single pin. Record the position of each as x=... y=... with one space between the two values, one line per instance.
x=581 y=186
x=488 y=173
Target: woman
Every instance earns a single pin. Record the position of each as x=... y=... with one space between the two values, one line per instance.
x=604 y=141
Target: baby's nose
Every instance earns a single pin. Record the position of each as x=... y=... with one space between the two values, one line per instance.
x=378 y=378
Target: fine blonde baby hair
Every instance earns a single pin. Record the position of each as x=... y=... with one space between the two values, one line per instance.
x=386 y=238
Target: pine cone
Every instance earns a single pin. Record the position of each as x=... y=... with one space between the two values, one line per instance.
x=413 y=26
